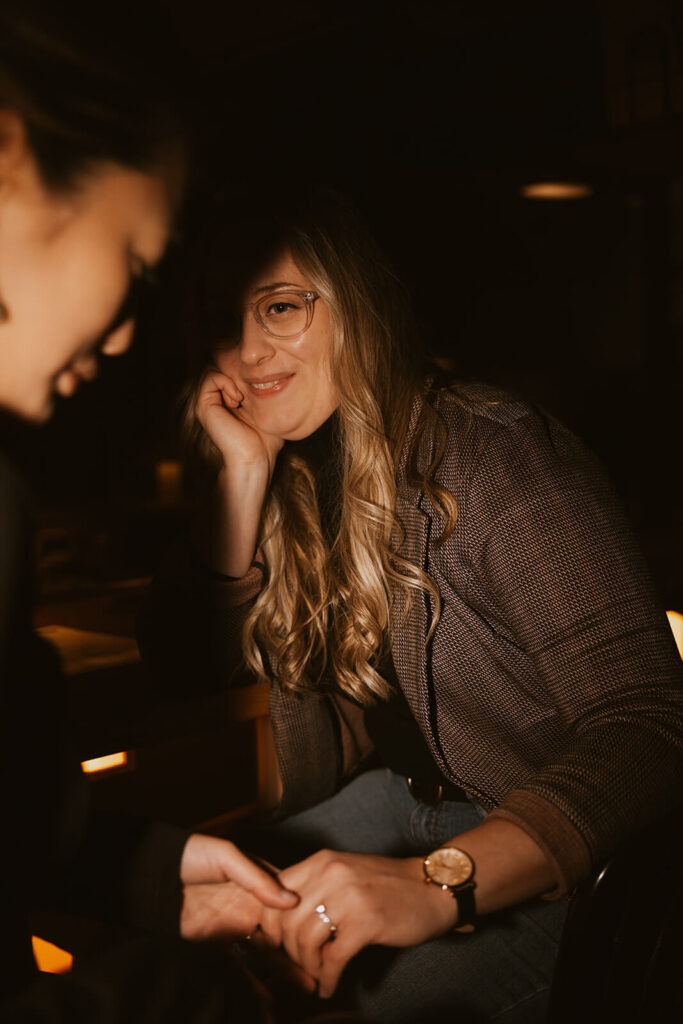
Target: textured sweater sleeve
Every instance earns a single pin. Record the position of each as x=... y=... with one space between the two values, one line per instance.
x=569 y=586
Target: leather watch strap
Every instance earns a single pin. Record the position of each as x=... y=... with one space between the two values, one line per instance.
x=467 y=911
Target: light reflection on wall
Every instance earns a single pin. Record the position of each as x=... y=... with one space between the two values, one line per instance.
x=106 y=763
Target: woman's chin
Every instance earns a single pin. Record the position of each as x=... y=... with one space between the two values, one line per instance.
x=35 y=408
x=280 y=427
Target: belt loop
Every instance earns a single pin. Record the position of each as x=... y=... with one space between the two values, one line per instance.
x=426 y=794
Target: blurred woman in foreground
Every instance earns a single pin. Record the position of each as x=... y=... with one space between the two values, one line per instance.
x=91 y=170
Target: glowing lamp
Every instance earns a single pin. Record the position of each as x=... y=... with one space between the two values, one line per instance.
x=106 y=763
x=169 y=481
x=50 y=958
x=556 y=190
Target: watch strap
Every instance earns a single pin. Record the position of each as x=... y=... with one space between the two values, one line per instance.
x=467 y=911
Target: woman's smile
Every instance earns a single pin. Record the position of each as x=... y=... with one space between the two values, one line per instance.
x=269 y=385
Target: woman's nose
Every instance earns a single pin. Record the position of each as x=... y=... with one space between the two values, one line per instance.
x=255 y=346
x=119 y=340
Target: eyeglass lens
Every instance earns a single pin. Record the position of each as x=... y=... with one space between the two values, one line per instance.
x=284 y=315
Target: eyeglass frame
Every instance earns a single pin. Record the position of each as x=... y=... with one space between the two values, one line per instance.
x=309 y=298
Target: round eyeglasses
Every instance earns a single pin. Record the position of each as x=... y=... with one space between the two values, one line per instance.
x=284 y=314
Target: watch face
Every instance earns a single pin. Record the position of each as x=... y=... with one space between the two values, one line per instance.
x=449 y=866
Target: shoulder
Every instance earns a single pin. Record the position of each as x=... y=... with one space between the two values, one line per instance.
x=483 y=422
x=479 y=412
x=502 y=447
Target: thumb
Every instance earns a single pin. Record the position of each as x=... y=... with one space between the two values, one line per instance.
x=262 y=882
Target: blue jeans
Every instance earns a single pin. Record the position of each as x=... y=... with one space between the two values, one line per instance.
x=500 y=972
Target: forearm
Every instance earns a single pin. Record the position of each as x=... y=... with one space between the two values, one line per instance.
x=509 y=866
x=374 y=900
x=225 y=532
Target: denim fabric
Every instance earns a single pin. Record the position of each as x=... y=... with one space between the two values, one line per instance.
x=501 y=972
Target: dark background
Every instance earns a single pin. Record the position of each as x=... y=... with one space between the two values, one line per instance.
x=432 y=116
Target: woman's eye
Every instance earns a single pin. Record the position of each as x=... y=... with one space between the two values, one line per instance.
x=279 y=308
x=282 y=314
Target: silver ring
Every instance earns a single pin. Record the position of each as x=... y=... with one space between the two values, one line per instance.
x=321 y=911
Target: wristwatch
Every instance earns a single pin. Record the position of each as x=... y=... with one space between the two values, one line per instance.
x=453 y=870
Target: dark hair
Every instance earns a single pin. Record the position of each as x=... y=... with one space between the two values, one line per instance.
x=91 y=82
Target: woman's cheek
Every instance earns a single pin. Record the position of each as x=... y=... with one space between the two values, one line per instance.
x=95 y=269
x=226 y=361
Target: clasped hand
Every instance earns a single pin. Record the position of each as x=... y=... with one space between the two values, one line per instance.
x=369 y=899
x=224 y=892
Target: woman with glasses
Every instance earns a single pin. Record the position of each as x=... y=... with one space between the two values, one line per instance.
x=91 y=167
x=474 y=693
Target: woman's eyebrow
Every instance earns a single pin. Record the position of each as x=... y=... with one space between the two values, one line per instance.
x=276 y=284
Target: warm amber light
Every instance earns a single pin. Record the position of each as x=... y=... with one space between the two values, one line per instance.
x=103 y=764
x=169 y=480
x=676 y=623
x=556 y=190
x=51 y=958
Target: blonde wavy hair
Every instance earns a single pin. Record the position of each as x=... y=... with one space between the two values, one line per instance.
x=325 y=607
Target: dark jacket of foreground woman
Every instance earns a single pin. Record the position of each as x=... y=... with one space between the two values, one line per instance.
x=53 y=855
x=551 y=689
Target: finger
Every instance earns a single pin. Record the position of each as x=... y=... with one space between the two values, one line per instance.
x=295 y=975
x=218 y=911
x=215 y=381
x=311 y=942
x=335 y=956
x=282 y=966
x=300 y=942
x=232 y=392
x=210 y=393
x=257 y=880
x=270 y=923
x=214 y=398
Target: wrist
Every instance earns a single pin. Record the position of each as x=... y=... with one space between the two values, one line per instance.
x=243 y=480
x=226 y=534
x=441 y=909
x=450 y=870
